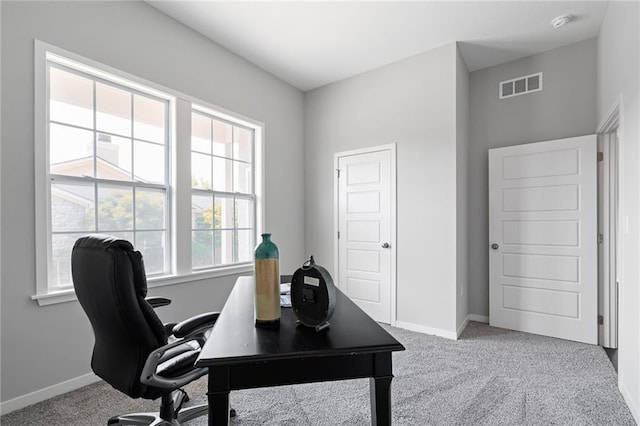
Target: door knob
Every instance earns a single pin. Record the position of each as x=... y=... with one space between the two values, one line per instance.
x=385 y=245
x=495 y=246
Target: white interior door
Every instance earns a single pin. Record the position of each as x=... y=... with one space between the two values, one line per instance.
x=543 y=237
x=364 y=220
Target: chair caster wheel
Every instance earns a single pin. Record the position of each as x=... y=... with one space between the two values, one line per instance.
x=232 y=413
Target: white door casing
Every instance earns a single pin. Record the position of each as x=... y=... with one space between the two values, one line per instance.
x=543 y=238
x=608 y=238
x=365 y=229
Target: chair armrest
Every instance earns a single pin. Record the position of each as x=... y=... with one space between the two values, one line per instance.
x=197 y=322
x=168 y=328
x=150 y=378
x=156 y=302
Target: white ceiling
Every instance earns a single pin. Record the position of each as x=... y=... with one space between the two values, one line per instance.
x=311 y=44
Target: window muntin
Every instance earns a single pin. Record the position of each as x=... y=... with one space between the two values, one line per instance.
x=223 y=200
x=108 y=168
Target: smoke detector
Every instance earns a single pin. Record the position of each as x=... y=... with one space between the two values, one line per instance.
x=560 y=21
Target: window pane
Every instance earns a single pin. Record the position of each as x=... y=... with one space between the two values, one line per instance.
x=115 y=208
x=148 y=162
x=222 y=133
x=200 y=171
x=245 y=246
x=71 y=151
x=242 y=177
x=224 y=212
x=72 y=207
x=150 y=208
x=201 y=249
x=60 y=266
x=149 y=116
x=244 y=213
x=151 y=244
x=70 y=98
x=222 y=178
x=114 y=157
x=113 y=110
x=200 y=133
x=242 y=144
x=223 y=247
x=202 y=212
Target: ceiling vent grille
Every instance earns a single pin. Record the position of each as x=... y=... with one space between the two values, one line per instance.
x=521 y=85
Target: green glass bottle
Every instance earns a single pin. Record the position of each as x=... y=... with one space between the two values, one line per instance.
x=267 y=279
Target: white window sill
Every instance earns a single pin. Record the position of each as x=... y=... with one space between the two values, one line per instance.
x=69 y=295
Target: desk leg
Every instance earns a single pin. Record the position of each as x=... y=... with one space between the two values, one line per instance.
x=218 y=396
x=380 y=390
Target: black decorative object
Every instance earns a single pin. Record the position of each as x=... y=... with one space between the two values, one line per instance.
x=313 y=295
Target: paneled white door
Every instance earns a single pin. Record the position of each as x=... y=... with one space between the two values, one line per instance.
x=364 y=209
x=543 y=238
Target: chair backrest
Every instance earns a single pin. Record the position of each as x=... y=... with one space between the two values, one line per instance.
x=110 y=283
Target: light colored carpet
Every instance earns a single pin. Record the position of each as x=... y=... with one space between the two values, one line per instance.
x=490 y=376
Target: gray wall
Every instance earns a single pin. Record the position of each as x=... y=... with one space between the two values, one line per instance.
x=462 y=150
x=44 y=346
x=618 y=79
x=566 y=107
x=410 y=103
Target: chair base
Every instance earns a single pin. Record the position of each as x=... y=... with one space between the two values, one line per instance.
x=154 y=419
x=171 y=413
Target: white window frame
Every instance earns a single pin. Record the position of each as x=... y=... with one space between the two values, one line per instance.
x=179 y=193
x=210 y=114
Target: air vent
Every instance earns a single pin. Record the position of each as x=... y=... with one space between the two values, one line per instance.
x=521 y=85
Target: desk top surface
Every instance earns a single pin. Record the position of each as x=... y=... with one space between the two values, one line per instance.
x=235 y=339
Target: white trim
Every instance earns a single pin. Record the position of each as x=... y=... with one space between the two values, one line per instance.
x=610 y=132
x=394 y=208
x=394 y=239
x=41 y=155
x=462 y=327
x=609 y=237
x=69 y=295
x=451 y=335
x=48 y=392
x=633 y=407
x=611 y=120
x=181 y=185
x=479 y=318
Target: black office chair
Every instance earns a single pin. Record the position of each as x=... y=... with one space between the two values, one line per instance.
x=134 y=352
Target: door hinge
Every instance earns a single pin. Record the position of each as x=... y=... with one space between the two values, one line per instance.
x=338 y=234
x=600 y=320
x=600 y=238
x=600 y=156
x=338 y=170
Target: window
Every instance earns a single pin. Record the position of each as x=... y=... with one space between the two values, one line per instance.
x=107 y=150
x=222 y=200
x=107 y=168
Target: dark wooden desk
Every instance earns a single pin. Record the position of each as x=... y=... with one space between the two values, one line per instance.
x=241 y=356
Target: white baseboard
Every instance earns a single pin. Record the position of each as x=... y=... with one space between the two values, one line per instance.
x=462 y=327
x=46 y=393
x=427 y=330
x=479 y=318
x=635 y=410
